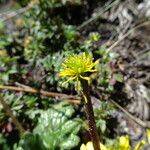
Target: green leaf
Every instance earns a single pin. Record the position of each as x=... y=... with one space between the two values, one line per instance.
x=57 y=130
x=30 y=141
x=69 y=32
x=1 y=25
x=102 y=125
x=118 y=77
x=64 y=108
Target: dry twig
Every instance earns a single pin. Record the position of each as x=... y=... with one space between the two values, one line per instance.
x=127 y=34
x=71 y=99
x=14 y=13
x=98 y=15
x=42 y=92
x=144 y=124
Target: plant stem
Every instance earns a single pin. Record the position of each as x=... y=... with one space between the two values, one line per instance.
x=90 y=114
x=10 y=114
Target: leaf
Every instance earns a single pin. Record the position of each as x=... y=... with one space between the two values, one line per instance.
x=102 y=125
x=57 y=130
x=118 y=77
x=30 y=141
x=65 y=108
x=69 y=32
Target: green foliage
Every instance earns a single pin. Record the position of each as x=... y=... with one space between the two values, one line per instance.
x=47 y=36
x=3 y=143
x=31 y=53
x=26 y=105
x=42 y=35
x=101 y=114
x=31 y=142
x=19 y=102
x=118 y=77
x=55 y=129
x=105 y=72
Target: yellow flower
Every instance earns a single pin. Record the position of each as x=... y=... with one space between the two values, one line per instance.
x=76 y=66
x=89 y=146
x=123 y=143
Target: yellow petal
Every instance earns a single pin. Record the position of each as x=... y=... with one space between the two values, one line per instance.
x=85 y=78
x=91 y=70
x=71 y=78
x=148 y=135
x=89 y=146
x=103 y=147
x=96 y=62
x=85 y=98
x=139 y=145
x=83 y=147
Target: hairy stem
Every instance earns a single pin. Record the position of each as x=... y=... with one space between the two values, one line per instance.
x=90 y=115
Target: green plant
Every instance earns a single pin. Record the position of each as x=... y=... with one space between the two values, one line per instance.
x=55 y=129
x=101 y=114
x=76 y=67
x=32 y=56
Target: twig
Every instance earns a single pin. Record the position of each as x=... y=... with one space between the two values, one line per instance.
x=128 y=33
x=15 y=13
x=97 y=16
x=42 y=92
x=22 y=85
x=10 y=114
x=72 y=99
x=144 y=124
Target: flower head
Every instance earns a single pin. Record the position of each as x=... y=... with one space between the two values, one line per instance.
x=124 y=143
x=89 y=146
x=76 y=66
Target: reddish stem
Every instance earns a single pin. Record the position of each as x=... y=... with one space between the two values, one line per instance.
x=90 y=115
